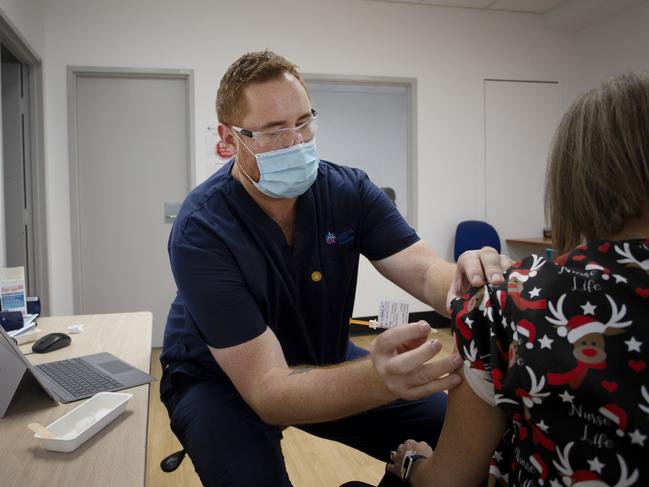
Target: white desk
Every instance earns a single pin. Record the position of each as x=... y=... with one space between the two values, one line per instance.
x=114 y=457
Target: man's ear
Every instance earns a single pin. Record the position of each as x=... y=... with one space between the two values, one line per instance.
x=227 y=137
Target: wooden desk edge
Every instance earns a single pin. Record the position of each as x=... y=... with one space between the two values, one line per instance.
x=546 y=242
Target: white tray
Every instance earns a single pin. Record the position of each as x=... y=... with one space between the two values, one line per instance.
x=84 y=421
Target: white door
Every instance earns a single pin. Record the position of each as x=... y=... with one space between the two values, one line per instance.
x=352 y=115
x=520 y=120
x=16 y=161
x=130 y=146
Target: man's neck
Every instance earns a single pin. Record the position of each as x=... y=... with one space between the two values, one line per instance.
x=281 y=210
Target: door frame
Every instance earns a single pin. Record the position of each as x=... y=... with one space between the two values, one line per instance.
x=13 y=40
x=76 y=72
x=411 y=156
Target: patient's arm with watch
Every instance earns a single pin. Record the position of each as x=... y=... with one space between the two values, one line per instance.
x=472 y=429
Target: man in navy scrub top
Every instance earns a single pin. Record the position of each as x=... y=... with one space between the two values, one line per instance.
x=265 y=256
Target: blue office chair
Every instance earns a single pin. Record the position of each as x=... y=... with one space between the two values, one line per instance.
x=473 y=235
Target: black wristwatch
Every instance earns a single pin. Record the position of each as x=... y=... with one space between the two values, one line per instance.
x=409 y=460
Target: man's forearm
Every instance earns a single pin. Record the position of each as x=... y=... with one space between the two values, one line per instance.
x=437 y=282
x=316 y=394
x=419 y=271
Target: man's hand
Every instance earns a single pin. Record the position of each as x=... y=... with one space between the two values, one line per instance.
x=474 y=269
x=400 y=356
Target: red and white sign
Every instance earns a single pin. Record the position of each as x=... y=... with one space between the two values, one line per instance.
x=223 y=151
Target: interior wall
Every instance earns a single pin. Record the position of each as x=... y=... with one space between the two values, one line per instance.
x=27 y=17
x=367 y=127
x=613 y=46
x=449 y=51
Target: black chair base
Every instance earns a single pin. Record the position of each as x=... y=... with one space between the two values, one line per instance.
x=173 y=461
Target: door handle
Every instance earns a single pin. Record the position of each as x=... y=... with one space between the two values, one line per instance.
x=171 y=211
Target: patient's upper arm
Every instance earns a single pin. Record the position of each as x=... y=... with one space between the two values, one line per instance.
x=472 y=430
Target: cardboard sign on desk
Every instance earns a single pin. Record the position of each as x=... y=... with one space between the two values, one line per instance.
x=12 y=289
x=60 y=386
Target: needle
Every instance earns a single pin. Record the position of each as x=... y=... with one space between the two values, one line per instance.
x=375 y=324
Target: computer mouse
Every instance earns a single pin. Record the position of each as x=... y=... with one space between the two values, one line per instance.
x=51 y=342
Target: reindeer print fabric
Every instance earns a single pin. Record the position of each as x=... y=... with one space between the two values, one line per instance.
x=562 y=347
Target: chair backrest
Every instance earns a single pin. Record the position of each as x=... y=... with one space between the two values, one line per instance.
x=473 y=235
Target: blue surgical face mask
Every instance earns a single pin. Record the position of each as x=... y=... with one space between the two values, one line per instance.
x=286 y=173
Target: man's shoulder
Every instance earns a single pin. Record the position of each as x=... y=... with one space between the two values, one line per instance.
x=339 y=175
x=337 y=169
x=213 y=187
x=205 y=206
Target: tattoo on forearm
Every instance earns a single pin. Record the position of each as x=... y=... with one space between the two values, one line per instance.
x=302 y=369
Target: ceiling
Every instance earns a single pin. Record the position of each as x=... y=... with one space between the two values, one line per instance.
x=530 y=6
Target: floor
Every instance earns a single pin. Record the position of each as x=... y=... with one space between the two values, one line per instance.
x=310 y=461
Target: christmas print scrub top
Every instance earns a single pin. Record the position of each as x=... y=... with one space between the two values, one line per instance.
x=562 y=347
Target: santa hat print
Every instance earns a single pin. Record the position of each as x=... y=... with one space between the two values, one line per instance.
x=616 y=414
x=522 y=274
x=540 y=465
x=594 y=266
x=579 y=326
x=586 y=478
x=528 y=330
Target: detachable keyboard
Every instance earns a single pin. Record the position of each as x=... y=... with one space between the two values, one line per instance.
x=78 y=377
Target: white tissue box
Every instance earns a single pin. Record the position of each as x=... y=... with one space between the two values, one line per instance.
x=84 y=421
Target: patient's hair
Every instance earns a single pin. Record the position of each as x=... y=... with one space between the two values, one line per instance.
x=253 y=67
x=598 y=172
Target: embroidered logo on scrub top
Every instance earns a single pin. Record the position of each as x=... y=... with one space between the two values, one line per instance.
x=343 y=238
